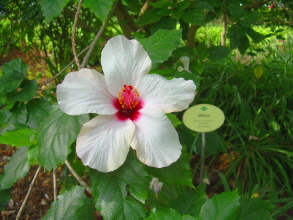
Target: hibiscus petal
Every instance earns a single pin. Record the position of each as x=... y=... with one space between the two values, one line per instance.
x=85 y=91
x=123 y=61
x=155 y=139
x=168 y=95
x=103 y=142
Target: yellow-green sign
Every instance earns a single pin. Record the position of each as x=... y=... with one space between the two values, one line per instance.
x=203 y=118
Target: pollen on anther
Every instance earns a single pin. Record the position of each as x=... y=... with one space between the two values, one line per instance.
x=128 y=103
x=128 y=97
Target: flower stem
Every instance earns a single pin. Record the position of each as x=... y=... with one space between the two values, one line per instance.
x=28 y=193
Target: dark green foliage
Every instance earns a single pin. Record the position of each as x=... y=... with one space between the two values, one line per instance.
x=53 y=143
x=110 y=190
x=16 y=168
x=67 y=205
x=256 y=137
x=4 y=198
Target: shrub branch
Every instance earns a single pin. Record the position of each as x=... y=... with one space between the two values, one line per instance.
x=125 y=20
x=81 y=182
x=92 y=45
x=72 y=61
x=73 y=34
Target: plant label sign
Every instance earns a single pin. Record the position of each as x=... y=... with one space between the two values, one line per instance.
x=203 y=118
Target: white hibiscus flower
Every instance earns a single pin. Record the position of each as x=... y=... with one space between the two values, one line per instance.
x=131 y=105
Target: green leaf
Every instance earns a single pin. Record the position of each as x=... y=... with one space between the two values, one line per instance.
x=110 y=190
x=204 y=5
x=16 y=168
x=176 y=14
x=15 y=118
x=160 y=4
x=19 y=138
x=222 y=206
x=67 y=205
x=173 y=118
x=236 y=10
x=198 y=67
x=256 y=37
x=168 y=192
x=210 y=16
x=56 y=134
x=244 y=44
x=218 y=52
x=4 y=198
x=151 y=16
x=86 y=212
x=167 y=73
x=38 y=110
x=232 y=31
x=3 y=117
x=13 y=74
x=254 y=209
x=188 y=217
x=166 y=23
x=100 y=8
x=181 y=6
x=251 y=19
x=194 y=16
x=160 y=45
x=18 y=114
x=190 y=202
x=32 y=155
x=234 y=42
x=177 y=172
x=52 y=8
x=16 y=65
x=10 y=82
x=188 y=76
x=201 y=51
x=159 y=214
x=27 y=92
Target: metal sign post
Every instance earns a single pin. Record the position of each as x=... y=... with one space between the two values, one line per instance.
x=203 y=118
x=202 y=156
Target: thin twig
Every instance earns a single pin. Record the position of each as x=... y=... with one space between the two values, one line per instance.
x=81 y=182
x=92 y=45
x=54 y=185
x=28 y=193
x=72 y=61
x=73 y=34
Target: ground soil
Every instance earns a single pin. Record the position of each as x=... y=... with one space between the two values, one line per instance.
x=40 y=198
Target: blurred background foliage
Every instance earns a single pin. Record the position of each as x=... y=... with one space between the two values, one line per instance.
x=241 y=58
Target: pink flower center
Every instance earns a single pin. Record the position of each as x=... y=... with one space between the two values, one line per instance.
x=128 y=103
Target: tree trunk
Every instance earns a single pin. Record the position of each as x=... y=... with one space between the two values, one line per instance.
x=191 y=35
x=223 y=34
